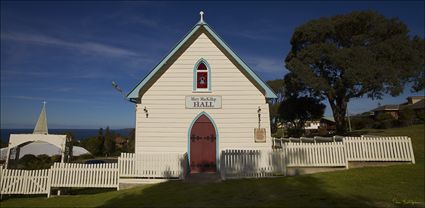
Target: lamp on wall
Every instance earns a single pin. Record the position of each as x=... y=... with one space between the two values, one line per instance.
x=259 y=116
x=259 y=133
x=146 y=112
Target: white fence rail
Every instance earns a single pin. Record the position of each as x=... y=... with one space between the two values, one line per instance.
x=233 y=164
x=264 y=163
x=24 y=181
x=379 y=149
x=251 y=163
x=152 y=165
x=330 y=154
x=260 y=163
x=85 y=175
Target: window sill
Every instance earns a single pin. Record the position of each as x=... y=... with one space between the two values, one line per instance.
x=206 y=91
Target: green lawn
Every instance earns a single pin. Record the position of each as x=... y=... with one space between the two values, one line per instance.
x=392 y=186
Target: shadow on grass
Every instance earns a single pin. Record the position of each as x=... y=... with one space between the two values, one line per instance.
x=86 y=191
x=65 y=191
x=303 y=191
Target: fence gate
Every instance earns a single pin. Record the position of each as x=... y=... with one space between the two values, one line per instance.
x=85 y=175
x=24 y=181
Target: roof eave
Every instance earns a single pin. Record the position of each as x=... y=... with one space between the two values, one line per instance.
x=268 y=92
x=134 y=94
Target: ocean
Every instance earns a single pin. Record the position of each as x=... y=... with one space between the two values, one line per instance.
x=79 y=134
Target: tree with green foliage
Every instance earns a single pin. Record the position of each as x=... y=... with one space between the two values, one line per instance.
x=93 y=145
x=278 y=88
x=354 y=55
x=131 y=140
x=101 y=141
x=298 y=110
x=109 y=144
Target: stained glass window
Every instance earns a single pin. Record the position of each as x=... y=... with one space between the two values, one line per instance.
x=202 y=76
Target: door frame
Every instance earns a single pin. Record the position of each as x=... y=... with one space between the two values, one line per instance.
x=217 y=152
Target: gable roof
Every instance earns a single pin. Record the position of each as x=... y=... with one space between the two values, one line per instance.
x=387 y=108
x=266 y=90
x=415 y=106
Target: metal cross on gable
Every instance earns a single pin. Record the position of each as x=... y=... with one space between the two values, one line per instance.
x=202 y=16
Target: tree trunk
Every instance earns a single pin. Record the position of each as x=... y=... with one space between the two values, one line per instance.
x=339 y=109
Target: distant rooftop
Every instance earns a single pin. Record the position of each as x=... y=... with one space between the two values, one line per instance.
x=416 y=97
x=387 y=108
x=416 y=106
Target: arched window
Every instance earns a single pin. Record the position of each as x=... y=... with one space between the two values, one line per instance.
x=201 y=76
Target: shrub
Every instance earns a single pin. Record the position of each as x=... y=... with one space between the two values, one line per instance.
x=56 y=158
x=361 y=122
x=295 y=132
x=420 y=117
x=407 y=117
x=279 y=133
x=384 y=121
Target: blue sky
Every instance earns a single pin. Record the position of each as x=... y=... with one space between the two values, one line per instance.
x=68 y=53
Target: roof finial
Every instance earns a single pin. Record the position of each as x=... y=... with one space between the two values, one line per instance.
x=44 y=103
x=202 y=17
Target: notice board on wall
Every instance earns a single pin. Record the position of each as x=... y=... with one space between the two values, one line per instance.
x=260 y=135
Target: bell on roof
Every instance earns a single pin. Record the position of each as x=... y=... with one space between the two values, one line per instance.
x=41 y=126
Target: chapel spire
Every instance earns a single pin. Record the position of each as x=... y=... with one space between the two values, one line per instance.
x=41 y=126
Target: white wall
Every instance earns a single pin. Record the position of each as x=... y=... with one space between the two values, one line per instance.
x=166 y=128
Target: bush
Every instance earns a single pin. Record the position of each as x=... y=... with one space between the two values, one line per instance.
x=56 y=158
x=295 y=132
x=420 y=117
x=407 y=117
x=361 y=123
x=31 y=162
x=384 y=121
x=279 y=133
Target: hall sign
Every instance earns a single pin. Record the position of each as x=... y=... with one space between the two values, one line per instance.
x=203 y=101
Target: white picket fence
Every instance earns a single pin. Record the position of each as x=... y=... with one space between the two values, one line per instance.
x=152 y=165
x=85 y=175
x=233 y=164
x=251 y=163
x=24 y=181
x=329 y=154
x=106 y=175
x=264 y=163
x=379 y=149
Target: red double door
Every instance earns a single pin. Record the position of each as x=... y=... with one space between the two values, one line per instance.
x=202 y=146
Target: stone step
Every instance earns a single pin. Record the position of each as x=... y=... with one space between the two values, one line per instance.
x=203 y=177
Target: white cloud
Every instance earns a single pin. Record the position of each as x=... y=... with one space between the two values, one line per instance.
x=85 y=47
x=266 y=64
x=66 y=100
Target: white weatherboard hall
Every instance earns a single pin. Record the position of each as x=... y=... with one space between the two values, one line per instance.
x=201 y=99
